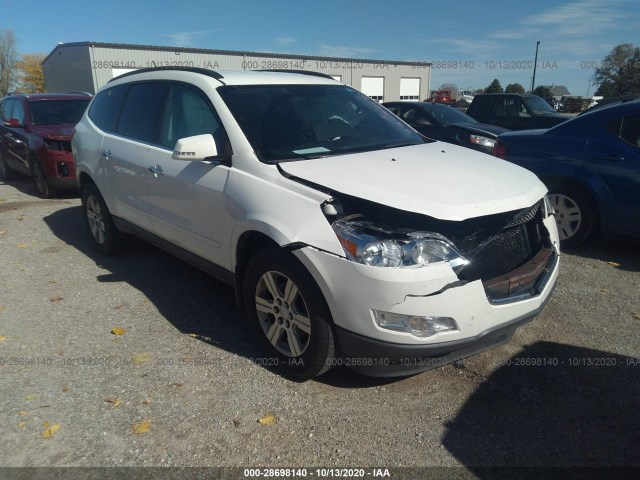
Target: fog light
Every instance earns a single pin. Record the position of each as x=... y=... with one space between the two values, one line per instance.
x=420 y=326
x=62 y=169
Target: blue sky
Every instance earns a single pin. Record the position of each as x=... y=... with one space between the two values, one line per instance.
x=471 y=42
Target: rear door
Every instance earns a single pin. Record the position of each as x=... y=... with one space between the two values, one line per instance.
x=614 y=155
x=126 y=150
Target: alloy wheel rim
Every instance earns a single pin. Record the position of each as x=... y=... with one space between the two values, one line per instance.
x=96 y=220
x=568 y=215
x=283 y=314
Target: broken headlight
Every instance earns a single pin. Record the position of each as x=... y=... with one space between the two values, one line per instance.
x=376 y=245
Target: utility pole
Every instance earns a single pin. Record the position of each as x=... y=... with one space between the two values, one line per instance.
x=535 y=64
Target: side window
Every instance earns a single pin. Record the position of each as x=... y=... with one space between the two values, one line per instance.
x=507 y=107
x=142 y=111
x=188 y=113
x=415 y=116
x=630 y=131
x=106 y=107
x=18 y=111
x=481 y=105
x=6 y=109
x=394 y=108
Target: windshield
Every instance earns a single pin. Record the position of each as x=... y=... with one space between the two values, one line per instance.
x=446 y=115
x=57 y=112
x=295 y=122
x=538 y=106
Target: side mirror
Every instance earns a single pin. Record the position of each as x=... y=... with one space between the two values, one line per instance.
x=196 y=148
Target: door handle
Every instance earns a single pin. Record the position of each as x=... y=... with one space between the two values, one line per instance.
x=609 y=157
x=106 y=154
x=156 y=170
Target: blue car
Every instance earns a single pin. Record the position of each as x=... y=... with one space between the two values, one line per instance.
x=591 y=166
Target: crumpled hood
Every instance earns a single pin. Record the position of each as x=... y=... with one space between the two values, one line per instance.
x=438 y=179
x=54 y=132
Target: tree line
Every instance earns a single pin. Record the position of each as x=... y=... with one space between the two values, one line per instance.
x=19 y=73
x=618 y=75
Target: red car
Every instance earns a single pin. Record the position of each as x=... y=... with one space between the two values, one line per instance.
x=442 y=96
x=35 y=138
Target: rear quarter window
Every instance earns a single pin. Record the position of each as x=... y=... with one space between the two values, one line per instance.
x=480 y=105
x=106 y=107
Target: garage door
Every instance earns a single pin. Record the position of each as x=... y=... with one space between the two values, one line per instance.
x=409 y=89
x=373 y=87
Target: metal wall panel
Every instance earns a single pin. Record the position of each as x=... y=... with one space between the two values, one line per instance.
x=68 y=70
x=100 y=60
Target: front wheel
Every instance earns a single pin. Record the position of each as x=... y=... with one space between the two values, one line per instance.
x=289 y=315
x=42 y=184
x=105 y=235
x=575 y=214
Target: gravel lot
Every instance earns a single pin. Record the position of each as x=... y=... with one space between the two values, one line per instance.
x=182 y=373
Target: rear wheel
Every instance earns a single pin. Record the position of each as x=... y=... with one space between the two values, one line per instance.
x=287 y=312
x=105 y=235
x=575 y=214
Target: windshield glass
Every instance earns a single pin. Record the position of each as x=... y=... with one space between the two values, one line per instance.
x=446 y=115
x=295 y=122
x=57 y=112
x=538 y=106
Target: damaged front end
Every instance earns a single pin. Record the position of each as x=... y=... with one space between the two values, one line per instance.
x=512 y=253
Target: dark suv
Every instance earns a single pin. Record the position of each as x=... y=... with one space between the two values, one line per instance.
x=35 y=138
x=514 y=111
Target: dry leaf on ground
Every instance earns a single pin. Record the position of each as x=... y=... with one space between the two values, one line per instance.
x=268 y=419
x=113 y=401
x=141 y=358
x=51 y=431
x=31 y=396
x=614 y=264
x=142 y=427
x=118 y=331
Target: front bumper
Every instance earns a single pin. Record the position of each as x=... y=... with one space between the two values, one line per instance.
x=383 y=359
x=59 y=168
x=353 y=290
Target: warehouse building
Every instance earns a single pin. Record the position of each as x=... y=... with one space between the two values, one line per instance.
x=86 y=66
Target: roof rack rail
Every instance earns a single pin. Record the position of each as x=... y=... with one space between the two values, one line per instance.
x=301 y=72
x=203 y=71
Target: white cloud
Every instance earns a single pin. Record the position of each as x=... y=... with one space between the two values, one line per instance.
x=581 y=18
x=187 y=39
x=343 y=51
x=285 y=41
x=470 y=48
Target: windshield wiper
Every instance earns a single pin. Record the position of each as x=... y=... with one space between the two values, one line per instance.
x=399 y=144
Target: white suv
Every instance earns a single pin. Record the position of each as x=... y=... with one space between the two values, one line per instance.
x=349 y=238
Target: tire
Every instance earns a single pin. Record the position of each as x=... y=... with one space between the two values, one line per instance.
x=288 y=314
x=42 y=184
x=6 y=172
x=105 y=235
x=575 y=214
